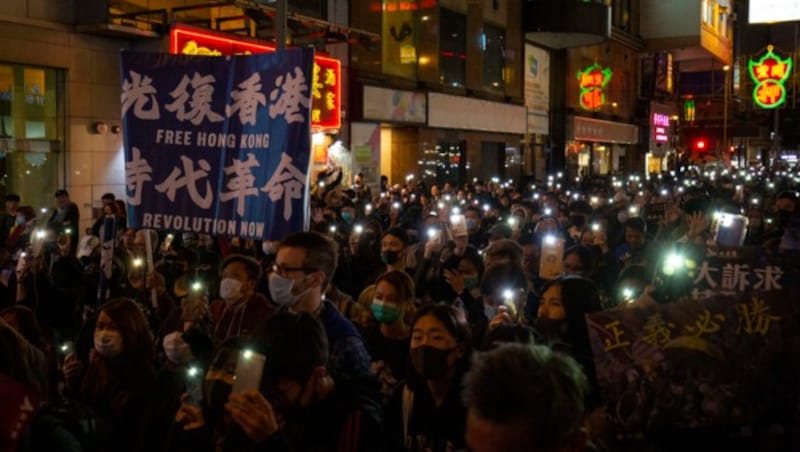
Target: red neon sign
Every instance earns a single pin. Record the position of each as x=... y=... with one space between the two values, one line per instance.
x=326 y=83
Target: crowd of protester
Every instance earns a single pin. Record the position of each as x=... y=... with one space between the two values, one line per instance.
x=409 y=317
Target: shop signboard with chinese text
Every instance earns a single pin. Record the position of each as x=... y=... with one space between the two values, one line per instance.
x=218 y=146
x=714 y=358
x=592 y=81
x=326 y=83
x=769 y=74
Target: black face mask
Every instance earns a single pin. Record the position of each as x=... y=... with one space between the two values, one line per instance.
x=390 y=257
x=430 y=362
x=784 y=217
x=550 y=329
x=577 y=220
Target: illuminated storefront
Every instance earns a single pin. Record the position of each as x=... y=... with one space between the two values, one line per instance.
x=30 y=132
x=596 y=147
x=661 y=153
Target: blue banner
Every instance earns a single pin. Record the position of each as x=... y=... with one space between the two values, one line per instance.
x=218 y=145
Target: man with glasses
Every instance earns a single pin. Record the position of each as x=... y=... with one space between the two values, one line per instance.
x=303 y=269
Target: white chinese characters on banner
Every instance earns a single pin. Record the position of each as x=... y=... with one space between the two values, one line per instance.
x=135 y=94
x=199 y=101
x=190 y=177
x=287 y=182
x=241 y=185
x=286 y=99
x=137 y=172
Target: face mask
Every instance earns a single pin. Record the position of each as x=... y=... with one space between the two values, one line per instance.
x=430 y=362
x=269 y=248
x=472 y=225
x=385 y=312
x=549 y=328
x=390 y=257
x=108 y=343
x=280 y=289
x=347 y=217
x=176 y=349
x=20 y=220
x=622 y=216
x=470 y=282
x=230 y=290
x=784 y=217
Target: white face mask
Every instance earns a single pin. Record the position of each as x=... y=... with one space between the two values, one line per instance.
x=280 y=289
x=176 y=349
x=230 y=290
x=622 y=216
x=108 y=343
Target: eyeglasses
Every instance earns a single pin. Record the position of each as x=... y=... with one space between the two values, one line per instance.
x=283 y=271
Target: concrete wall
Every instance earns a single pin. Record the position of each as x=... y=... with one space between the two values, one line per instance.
x=91 y=163
x=673 y=18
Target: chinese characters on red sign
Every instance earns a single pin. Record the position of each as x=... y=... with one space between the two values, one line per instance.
x=591 y=81
x=769 y=73
x=326 y=82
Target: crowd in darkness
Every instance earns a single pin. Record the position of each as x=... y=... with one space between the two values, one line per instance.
x=413 y=317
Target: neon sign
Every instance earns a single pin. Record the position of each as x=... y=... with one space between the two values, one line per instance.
x=591 y=81
x=660 y=125
x=326 y=82
x=689 y=110
x=769 y=74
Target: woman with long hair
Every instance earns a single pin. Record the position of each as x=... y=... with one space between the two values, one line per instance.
x=118 y=375
x=427 y=413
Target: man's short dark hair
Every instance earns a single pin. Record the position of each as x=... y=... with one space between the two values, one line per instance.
x=531 y=388
x=13 y=197
x=109 y=196
x=61 y=192
x=251 y=266
x=321 y=252
x=505 y=248
x=636 y=224
x=294 y=344
x=399 y=233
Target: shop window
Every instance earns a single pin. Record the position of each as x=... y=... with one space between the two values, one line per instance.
x=444 y=163
x=30 y=130
x=452 y=48
x=317 y=9
x=494 y=57
x=6 y=96
x=621 y=11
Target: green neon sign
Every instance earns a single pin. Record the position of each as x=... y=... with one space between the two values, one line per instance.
x=769 y=73
x=591 y=81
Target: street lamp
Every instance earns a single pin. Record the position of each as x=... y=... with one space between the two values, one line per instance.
x=727 y=70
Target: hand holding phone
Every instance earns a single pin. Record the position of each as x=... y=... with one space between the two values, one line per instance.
x=249 y=369
x=194 y=385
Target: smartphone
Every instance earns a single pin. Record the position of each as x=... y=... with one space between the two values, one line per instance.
x=731 y=229
x=194 y=384
x=458 y=225
x=67 y=347
x=434 y=234
x=514 y=301
x=550 y=264
x=249 y=369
